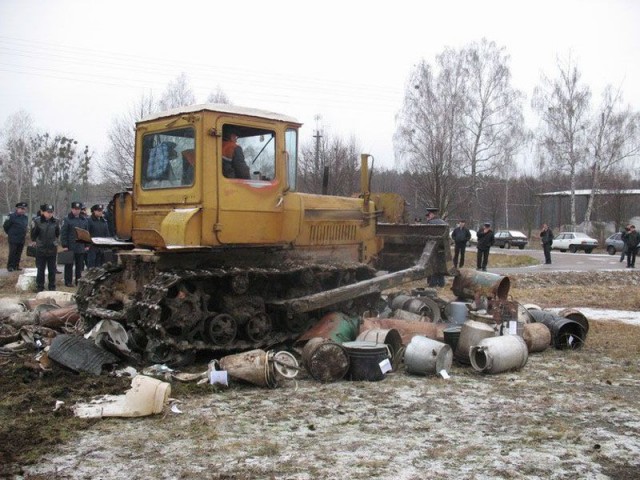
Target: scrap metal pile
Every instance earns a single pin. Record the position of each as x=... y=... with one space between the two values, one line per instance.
x=417 y=332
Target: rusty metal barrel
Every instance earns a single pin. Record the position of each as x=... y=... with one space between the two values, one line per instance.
x=537 y=337
x=565 y=333
x=336 y=326
x=252 y=366
x=420 y=306
x=406 y=328
x=576 y=316
x=325 y=360
x=470 y=284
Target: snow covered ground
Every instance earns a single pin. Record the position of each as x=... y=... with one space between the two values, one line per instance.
x=625 y=316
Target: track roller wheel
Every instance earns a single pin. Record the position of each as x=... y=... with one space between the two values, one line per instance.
x=220 y=329
x=258 y=327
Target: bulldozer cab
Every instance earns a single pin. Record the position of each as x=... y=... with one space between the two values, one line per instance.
x=212 y=175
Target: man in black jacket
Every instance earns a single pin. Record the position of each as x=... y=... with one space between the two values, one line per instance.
x=45 y=232
x=70 y=242
x=546 y=236
x=98 y=227
x=16 y=229
x=631 y=240
x=485 y=241
x=437 y=279
x=460 y=236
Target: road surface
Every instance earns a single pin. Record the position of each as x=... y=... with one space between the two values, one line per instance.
x=560 y=262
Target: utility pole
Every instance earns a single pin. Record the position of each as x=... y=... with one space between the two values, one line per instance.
x=317 y=136
x=506 y=200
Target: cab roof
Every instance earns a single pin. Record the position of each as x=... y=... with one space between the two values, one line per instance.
x=221 y=108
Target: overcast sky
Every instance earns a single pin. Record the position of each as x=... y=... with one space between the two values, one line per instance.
x=74 y=65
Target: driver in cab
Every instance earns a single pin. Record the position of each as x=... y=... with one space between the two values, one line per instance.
x=233 y=164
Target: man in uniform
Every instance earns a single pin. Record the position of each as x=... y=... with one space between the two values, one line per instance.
x=460 y=235
x=437 y=279
x=485 y=241
x=98 y=227
x=546 y=237
x=45 y=232
x=69 y=242
x=16 y=229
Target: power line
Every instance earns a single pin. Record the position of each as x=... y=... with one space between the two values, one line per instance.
x=74 y=55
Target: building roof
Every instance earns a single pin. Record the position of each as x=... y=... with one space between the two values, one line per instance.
x=587 y=191
x=223 y=108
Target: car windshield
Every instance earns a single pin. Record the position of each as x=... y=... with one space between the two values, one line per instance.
x=515 y=233
x=581 y=235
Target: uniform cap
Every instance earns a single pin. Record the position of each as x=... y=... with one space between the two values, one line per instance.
x=432 y=209
x=46 y=207
x=22 y=205
x=97 y=206
x=487 y=224
x=76 y=205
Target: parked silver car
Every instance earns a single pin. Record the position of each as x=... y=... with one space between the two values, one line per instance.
x=574 y=241
x=615 y=244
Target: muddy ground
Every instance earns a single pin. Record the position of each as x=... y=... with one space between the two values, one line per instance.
x=566 y=414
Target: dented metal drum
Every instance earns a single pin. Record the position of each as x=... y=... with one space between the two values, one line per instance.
x=325 y=360
x=425 y=356
x=423 y=306
x=471 y=333
x=252 y=366
x=406 y=328
x=457 y=312
x=388 y=336
x=499 y=354
x=365 y=359
x=470 y=284
x=565 y=333
x=537 y=337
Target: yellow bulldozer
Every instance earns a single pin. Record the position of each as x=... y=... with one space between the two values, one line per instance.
x=220 y=255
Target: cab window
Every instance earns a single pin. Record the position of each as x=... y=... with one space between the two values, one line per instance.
x=168 y=159
x=291 y=144
x=248 y=153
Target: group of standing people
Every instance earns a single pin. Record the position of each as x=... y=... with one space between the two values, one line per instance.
x=461 y=236
x=47 y=233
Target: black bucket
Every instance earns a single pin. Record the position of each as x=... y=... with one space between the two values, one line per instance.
x=364 y=360
x=451 y=336
x=565 y=333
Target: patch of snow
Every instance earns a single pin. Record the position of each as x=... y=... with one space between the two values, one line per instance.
x=624 y=316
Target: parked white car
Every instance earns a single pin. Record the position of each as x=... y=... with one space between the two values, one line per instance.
x=574 y=241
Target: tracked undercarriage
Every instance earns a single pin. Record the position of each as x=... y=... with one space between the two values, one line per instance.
x=172 y=311
x=172 y=314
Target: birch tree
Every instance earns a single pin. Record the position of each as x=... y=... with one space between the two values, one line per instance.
x=429 y=130
x=493 y=119
x=563 y=104
x=613 y=139
x=177 y=94
x=16 y=159
x=117 y=163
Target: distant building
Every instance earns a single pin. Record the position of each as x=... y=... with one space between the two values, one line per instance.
x=616 y=206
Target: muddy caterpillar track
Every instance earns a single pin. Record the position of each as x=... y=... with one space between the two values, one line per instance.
x=180 y=312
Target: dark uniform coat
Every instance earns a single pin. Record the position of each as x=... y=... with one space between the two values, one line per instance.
x=16 y=227
x=68 y=237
